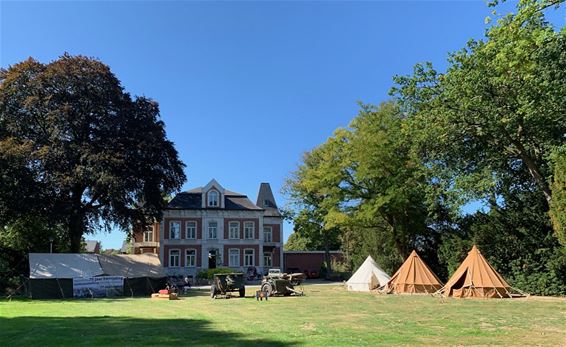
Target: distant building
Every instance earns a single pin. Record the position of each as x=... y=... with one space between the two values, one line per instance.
x=210 y=226
x=126 y=247
x=92 y=246
x=308 y=261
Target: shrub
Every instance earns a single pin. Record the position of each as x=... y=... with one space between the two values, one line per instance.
x=209 y=274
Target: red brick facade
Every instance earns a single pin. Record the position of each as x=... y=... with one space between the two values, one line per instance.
x=241 y=221
x=182 y=249
x=183 y=221
x=275 y=232
x=226 y=254
x=147 y=247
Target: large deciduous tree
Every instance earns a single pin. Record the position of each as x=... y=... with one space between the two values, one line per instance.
x=77 y=150
x=363 y=184
x=488 y=124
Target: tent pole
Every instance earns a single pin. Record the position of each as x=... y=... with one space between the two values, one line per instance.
x=60 y=288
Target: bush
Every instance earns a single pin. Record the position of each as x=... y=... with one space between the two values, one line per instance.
x=209 y=274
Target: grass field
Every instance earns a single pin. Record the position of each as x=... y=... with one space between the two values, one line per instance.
x=328 y=315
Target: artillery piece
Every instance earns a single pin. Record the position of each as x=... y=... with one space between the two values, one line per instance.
x=282 y=284
x=225 y=283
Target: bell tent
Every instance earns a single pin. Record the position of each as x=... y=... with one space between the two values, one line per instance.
x=476 y=278
x=413 y=277
x=368 y=276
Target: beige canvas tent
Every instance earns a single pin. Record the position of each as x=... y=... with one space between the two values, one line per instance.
x=368 y=276
x=476 y=278
x=413 y=277
x=132 y=265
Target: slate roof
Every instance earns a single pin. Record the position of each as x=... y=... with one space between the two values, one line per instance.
x=192 y=200
x=266 y=201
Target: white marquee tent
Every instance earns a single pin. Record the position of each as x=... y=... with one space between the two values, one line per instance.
x=368 y=276
x=63 y=265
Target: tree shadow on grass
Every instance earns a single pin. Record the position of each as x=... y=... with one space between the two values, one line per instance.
x=121 y=331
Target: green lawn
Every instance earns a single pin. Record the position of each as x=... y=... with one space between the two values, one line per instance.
x=327 y=315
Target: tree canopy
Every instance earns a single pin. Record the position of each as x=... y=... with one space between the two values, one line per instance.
x=490 y=129
x=78 y=151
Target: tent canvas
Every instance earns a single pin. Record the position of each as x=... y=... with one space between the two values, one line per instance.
x=132 y=265
x=51 y=274
x=414 y=276
x=368 y=276
x=143 y=273
x=63 y=265
x=476 y=278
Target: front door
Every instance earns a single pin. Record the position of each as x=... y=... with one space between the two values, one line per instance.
x=212 y=259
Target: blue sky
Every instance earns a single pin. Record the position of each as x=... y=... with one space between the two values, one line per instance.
x=245 y=88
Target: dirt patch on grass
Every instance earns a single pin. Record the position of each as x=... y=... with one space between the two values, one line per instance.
x=309 y=326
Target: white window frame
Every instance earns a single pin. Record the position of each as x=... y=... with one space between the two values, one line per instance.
x=193 y=224
x=266 y=256
x=148 y=230
x=246 y=263
x=233 y=233
x=213 y=202
x=266 y=232
x=234 y=252
x=246 y=229
x=171 y=229
x=215 y=230
x=178 y=257
x=193 y=256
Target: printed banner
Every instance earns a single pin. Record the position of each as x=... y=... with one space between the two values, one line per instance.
x=98 y=287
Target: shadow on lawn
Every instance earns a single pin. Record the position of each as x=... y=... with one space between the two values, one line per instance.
x=121 y=331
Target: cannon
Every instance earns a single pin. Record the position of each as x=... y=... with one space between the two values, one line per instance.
x=282 y=284
x=224 y=283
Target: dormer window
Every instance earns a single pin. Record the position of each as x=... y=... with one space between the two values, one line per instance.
x=213 y=199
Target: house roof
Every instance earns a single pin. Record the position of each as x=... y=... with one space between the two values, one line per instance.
x=266 y=201
x=192 y=200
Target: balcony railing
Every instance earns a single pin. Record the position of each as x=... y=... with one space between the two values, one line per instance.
x=146 y=244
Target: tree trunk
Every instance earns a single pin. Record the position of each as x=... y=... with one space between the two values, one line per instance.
x=76 y=229
x=327 y=258
x=532 y=167
x=536 y=175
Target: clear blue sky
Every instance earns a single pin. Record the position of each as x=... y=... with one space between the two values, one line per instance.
x=245 y=88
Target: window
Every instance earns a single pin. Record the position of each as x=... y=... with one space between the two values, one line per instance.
x=175 y=230
x=267 y=234
x=234 y=230
x=174 y=258
x=191 y=258
x=249 y=257
x=267 y=259
x=249 y=230
x=148 y=234
x=213 y=198
x=234 y=257
x=191 y=230
x=212 y=230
